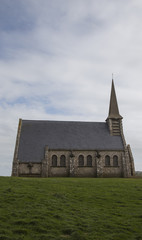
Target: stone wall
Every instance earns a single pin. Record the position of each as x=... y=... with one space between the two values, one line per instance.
x=29 y=170
x=72 y=168
x=15 y=166
x=110 y=170
x=98 y=164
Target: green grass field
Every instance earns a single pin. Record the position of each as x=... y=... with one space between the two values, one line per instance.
x=70 y=209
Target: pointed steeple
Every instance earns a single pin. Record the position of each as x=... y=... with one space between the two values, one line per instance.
x=113 y=107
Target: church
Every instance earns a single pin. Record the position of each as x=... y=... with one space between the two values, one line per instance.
x=73 y=148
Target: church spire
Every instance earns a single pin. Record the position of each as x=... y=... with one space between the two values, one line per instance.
x=113 y=107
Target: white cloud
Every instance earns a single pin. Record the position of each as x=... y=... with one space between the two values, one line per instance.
x=59 y=65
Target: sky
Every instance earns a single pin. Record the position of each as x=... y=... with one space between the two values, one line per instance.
x=56 y=63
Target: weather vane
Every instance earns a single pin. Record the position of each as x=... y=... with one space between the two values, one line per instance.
x=115 y=74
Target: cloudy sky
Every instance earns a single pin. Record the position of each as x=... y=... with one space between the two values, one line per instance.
x=56 y=62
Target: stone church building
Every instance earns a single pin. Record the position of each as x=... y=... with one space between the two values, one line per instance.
x=73 y=149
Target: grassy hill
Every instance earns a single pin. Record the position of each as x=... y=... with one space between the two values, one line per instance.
x=70 y=209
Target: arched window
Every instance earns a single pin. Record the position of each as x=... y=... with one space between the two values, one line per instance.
x=107 y=160
x=81 y=160
x=89 y=161
x=115 y=161
x=54 y=161
x=62 y=161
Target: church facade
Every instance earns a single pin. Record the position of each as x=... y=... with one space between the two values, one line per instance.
x=73 y=149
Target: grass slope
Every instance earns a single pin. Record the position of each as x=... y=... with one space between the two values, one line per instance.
x=70 y=209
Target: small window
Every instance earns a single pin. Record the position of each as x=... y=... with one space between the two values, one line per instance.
x=62 y=161
x=115 y=161
x=54 y=161
x=81 y=160
x=89 y=161
x=107 y=160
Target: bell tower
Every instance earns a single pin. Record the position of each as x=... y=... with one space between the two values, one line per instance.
x=114 y=118
x=114 y=121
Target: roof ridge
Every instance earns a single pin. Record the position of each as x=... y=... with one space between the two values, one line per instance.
x=62 y=121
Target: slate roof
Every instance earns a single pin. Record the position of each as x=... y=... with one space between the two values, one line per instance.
x=64 y=135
